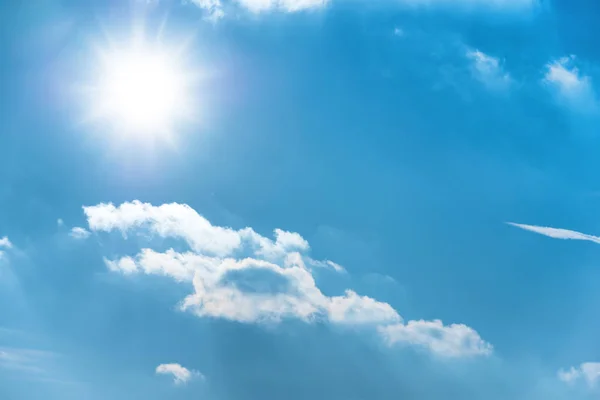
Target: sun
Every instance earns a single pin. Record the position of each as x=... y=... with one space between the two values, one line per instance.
x=140 y=90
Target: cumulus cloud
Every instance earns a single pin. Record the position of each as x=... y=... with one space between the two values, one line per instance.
x=182 y=222
x=488 y=70
x=589 y=372
x=243 y=276
x=557 y=233
x=181 y=375
x=570 y=85
x=449 y=340
x=79 y=233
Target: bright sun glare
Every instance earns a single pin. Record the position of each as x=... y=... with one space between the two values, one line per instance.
x=141 y=90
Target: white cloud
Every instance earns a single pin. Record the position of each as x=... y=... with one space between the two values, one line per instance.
x=181 y=221
x=60 y=222
x=569 y=376
x=449 y=340
x=125 y=265
x=557 y=233
x=243 y=276
x=79 y=233
x=284 y=5
x=488 y=70
x=570 y=85
x=5 y=243
x=325 y=264
x=181 y=375
x=589 y=372
x=215 y=8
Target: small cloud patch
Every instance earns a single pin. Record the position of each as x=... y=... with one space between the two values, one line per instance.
x=588 y=372
x=79 y=233
x=181 y=375
x=488 y=70
x=570 y=86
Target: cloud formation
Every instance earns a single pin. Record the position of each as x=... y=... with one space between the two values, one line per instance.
x=589 y=372
x=284 y=5
x=488 y=70
x=557 y=233
x=79 y=233
x=216 y=8
x=243 y=276
x=569 y=85
x=181 y=375
x=24 y=360
x=5 y=244
x=452 y=340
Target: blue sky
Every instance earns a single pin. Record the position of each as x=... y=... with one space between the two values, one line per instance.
x=257 y=199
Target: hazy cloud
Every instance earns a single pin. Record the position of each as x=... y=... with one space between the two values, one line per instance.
x=570 y=86
x=488 y=70
x=216 y=8
x=5 y=244
x=589 y=372
x=79 y=233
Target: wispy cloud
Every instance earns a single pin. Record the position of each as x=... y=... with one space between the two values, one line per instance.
x=242 y=276
x=181 y=375
x=79 y=233
x=213 y=8
x=557 y=233
x=216 y=8
x=570 y=86
x=30 y=363
x=285 y=5
x=589 y=372
x=488 y=70
x=5 y=244
x=25 y=360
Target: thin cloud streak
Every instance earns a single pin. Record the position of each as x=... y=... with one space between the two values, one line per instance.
x=557 y=233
